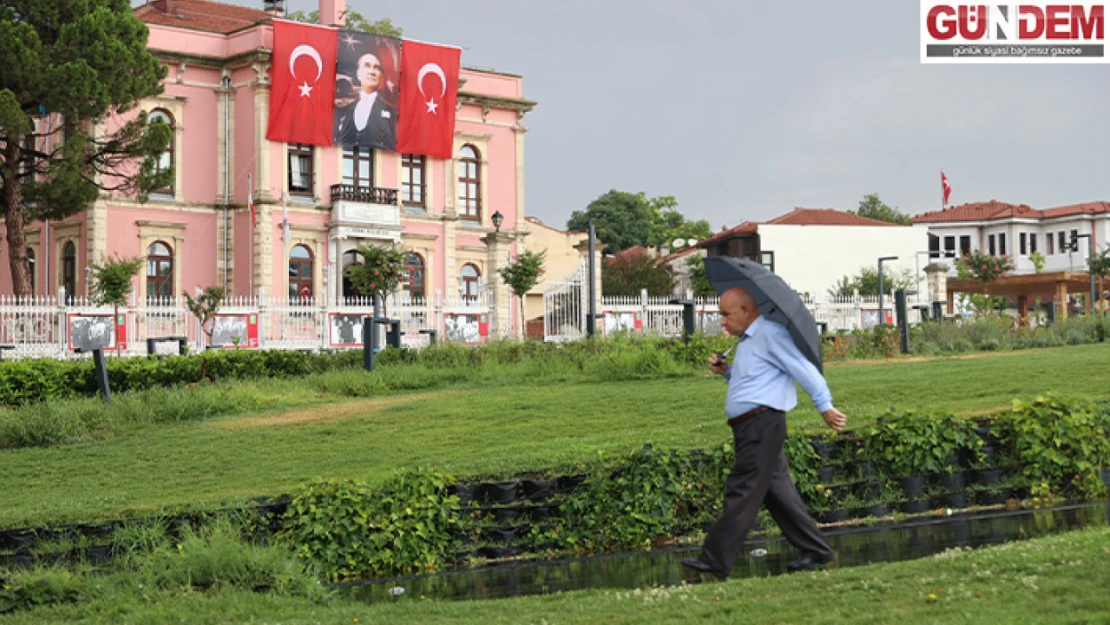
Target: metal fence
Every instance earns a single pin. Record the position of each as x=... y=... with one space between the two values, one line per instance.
x=59 y=327
x=658 y=316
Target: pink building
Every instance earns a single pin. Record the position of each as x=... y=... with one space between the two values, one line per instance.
x=199 y=232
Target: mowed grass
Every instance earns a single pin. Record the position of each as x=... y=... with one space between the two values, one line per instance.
x=1058 y=579
x=489 y=429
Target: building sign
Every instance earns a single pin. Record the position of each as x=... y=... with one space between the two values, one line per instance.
x=997 y=32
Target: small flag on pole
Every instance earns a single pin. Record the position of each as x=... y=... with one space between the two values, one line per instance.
x=945 y=187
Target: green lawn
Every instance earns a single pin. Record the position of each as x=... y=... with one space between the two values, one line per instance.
x=1059 y=579
x=499 y=427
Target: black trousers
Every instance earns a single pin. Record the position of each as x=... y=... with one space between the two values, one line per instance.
x=761 y=476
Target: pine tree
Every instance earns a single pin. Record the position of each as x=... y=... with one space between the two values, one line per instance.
x=67 y=67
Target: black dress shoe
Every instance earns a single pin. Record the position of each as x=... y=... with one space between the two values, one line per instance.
x=807 y=562
x=702 y=566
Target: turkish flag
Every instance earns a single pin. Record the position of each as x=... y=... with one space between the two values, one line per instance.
x=302 y=95
x=946 y=187
x=429 y=90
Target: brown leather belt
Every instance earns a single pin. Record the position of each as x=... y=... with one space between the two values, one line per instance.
x=748 y=414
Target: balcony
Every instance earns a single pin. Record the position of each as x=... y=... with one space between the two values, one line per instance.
x=365 y=195
x=365 y=213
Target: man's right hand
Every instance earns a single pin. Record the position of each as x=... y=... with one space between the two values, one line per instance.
x=718 y=364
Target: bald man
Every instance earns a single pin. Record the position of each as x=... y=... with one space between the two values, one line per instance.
x=760 y=393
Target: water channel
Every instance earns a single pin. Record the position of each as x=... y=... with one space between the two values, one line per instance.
x=881 y=542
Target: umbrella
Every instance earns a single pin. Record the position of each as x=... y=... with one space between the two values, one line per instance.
x=775 y=299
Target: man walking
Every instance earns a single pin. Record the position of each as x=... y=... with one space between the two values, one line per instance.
x=760 y=393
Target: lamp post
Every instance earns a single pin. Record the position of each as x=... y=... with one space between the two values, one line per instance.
x=497 y=218
x=882 y=317
x=1090 y=256
x=592 y=238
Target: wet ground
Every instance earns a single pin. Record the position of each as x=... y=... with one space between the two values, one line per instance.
x=882 y=542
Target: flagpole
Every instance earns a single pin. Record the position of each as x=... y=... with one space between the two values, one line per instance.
x=250 y=208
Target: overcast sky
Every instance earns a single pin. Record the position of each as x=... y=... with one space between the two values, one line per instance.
x=743 y=110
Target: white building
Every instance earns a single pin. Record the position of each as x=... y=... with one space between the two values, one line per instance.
x=812 y=249
x=1018 y=230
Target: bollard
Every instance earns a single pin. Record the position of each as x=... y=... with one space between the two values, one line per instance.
x=393 y=332
x=903 y=323
x=688 y=322
x=369 y=341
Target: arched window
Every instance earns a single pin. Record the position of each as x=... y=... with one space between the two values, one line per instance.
x=165 y=159
x=350 y=258
x=469 y=279
x=414 y=277
x=69 y=270
x=159 y=270
x=470 y=184
x=300 y=273
x=31 y=267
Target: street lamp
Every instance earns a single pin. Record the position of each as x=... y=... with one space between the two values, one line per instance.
x=497 y=219
x=591 y=317
x=882 y=317
x=1090 y=257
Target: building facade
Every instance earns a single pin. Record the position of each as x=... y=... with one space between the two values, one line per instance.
x=265 y=218
x=1018 y=230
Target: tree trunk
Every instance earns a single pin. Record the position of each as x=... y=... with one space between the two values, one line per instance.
x=13 y=217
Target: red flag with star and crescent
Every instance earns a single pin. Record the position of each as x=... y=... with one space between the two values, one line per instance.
x=947 y=188
x=429 y=90
x=302 y=95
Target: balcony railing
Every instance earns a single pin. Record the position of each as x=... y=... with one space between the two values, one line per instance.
x=366 y=195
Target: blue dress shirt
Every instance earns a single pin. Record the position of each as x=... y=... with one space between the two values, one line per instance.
x=764 y=368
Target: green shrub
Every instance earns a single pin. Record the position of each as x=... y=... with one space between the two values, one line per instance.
x=1060 y=443
x=39 y=587
x=352 y=530
x=636 y=501
x=914 y=443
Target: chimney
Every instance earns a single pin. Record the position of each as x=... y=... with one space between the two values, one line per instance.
x=274 y=8
x=169 y=7
x=333 y=13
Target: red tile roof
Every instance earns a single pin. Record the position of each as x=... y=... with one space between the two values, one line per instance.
x=748 y=227
x=825 y=217
x=201 y=15
x=978 y=211
x=1086 y=208
x=995 y=210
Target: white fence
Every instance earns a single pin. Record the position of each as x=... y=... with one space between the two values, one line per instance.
x=658 y=316
x=58 y=327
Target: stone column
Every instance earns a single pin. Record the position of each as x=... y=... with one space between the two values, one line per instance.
x=497 y=244
x=937 y=275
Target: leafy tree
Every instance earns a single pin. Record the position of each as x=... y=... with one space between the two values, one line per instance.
x=871 y=206
x=523 y=274
x=699 y=277
x=66 y=67
x=354 y=21
x=1038 y=261
x=112 y=283
x=667 y=224
x=204 y=308
x=627 y=274
x=380 y=273
x=986 y=270
x=867 y=282
x=1100 y=266
x=623 y=220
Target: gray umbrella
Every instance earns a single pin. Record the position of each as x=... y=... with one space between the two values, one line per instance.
x=776 y=300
